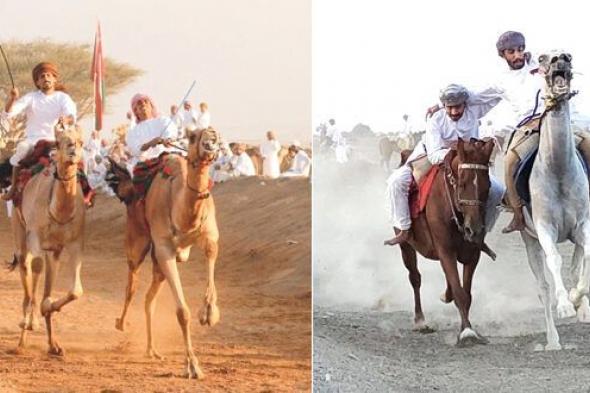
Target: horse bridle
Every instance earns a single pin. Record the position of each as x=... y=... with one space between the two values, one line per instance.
x=450 y=179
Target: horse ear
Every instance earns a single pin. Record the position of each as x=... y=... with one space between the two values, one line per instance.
x=460 y=150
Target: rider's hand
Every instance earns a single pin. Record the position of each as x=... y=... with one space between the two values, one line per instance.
x=14 y=94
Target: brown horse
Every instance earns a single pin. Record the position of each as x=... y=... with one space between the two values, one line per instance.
x=452 y=228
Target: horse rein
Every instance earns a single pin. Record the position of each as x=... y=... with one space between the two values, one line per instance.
x=450 y=179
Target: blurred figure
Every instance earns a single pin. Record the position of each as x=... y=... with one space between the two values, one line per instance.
x=220 y=170
x=204 y=117
x=243 y=165
x=300 y=163
x=269 y=150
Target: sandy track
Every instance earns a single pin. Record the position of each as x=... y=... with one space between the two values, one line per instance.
x=262 y=342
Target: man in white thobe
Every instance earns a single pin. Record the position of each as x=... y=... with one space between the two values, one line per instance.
x=460 y=119
x=269 y=150
x=300 y=164
x=243 y=164
x=43 y=107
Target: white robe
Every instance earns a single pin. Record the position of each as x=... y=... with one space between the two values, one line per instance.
x=270 y=152
x=144 y=132
x=300 y=165
x=244 y=166
x=204 y=120
x=441 y=133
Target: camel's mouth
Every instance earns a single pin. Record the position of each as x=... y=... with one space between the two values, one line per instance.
x=560 y=81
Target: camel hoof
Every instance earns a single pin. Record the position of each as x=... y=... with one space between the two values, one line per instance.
x=193 y=371
x=46 y=307
x=34 y=325
x=153 y=354
x=565 y=309
x=583 y=311
x=209 y=315
x=120 y=324
x=469 y=337
x=553 y=347
x=56 y=350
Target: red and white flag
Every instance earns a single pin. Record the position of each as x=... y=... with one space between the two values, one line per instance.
x=97 y=75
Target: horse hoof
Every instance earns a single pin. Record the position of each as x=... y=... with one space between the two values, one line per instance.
x=445 y=299
x=469 y=337
x=119 y=324
x=422 y=327
x=565 y=309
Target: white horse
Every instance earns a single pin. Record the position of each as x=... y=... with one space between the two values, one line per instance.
x=560 y=202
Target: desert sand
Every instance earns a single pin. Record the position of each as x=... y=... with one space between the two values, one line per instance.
x=262 y=343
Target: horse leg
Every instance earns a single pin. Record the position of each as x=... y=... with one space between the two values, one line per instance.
x=410 y=261
x=447 y=296
x=565 y=308
x=51 y=269
x=166 y=258
x=468 y=271
x=536 y=259
x=138 y=245
x=209 y=313
x=468 y=336
x=150 y=306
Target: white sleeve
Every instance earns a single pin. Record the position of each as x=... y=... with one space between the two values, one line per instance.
x=69 y=107
x=19 y=106
x=482 y=102
x=132 y=144
x=432 y=139
x=169 y=129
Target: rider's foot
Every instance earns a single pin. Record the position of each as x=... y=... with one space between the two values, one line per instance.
x=401 y=237
x=517 y=223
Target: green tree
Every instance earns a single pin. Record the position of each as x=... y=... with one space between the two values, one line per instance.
x=74 y=63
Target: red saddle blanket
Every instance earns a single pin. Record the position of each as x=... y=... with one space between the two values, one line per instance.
x=420 y=191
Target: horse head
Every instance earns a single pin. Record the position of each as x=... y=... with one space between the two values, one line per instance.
x=556 y=67
x=203 y=145
x=471 y=168
x=69 y=144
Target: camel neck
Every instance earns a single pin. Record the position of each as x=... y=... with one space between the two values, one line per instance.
x=193 y=197
x=63 y=193
x=557 y=146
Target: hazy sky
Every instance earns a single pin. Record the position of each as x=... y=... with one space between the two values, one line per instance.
x=375 y=60
x=251 y=59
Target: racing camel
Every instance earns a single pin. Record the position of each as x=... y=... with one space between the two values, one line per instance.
x=49 y=227
x=180 y=213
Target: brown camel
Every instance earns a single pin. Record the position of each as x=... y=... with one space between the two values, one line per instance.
x=179 y=213
x=48 y=224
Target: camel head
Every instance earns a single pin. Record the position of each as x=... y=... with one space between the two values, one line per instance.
x=69 y=144
x=556 y=67
x=203 y=145
x=473 y=185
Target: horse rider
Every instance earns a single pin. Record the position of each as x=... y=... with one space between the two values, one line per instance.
x=460 y=119
x=44 y=108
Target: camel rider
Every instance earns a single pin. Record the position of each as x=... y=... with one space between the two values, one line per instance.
x=43 y=108
x=520 y=83
x=460 y=119
x=147 y=139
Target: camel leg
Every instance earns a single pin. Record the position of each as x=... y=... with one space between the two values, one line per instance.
x=138 y=245
x=565 y=308
x=209 y=313
x=150 y=306
x=167 y=262
x=581 y=264
x=37 y=268
x=76 y=290
x=536 y=259
x=26 y=281
x=51 y=269
x=410 y=261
